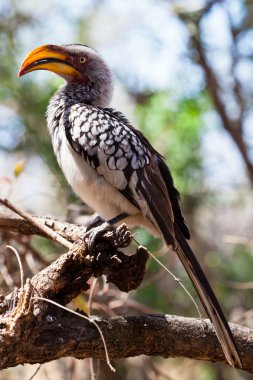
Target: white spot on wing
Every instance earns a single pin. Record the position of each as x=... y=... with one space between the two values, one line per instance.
x=110 y=150
x=134 y=162
x=121 y=163
x=111 y=163
x=119 y=153
x=82 y=140
x=85 y=127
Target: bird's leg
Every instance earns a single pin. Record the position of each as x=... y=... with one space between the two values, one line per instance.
x=117 y=218
x=97 y=227
x=96 y=222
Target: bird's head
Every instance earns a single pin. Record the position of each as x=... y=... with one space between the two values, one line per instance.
x=77 y=64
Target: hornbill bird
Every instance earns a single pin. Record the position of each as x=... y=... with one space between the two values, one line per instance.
x=113 y=167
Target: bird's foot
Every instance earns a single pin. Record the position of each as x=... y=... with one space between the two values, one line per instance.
x=119 y=237
x=95 y=233
x=122 y=236
x=96 y=222
x=98 y=227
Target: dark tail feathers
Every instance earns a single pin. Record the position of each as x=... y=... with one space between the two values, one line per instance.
x=208 y=299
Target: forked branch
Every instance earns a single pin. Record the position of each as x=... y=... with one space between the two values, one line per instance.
x=33 y=331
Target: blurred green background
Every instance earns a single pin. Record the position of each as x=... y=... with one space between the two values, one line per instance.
x=183 y=75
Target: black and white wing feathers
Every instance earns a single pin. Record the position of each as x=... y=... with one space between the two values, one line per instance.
x=122 y=155
x=164 y=171
x=108 y=142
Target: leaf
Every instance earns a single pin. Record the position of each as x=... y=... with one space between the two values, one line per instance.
x=81 y=304
x=19 y=168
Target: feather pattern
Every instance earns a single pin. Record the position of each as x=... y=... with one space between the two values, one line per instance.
x=137 y=181
x=113 y=167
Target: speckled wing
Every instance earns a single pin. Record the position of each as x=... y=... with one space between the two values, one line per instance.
x=107 y=141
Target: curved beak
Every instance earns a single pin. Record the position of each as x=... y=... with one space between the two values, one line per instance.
x=49 y=57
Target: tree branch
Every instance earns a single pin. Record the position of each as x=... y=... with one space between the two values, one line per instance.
x=59 y=334
x=10 y=221
x=47 y=231
x=32 y=331
x=233 y=125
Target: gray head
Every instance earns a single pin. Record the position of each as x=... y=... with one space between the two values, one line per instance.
x=77 y=64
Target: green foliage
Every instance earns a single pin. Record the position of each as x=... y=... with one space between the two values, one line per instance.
x=25 y=97
x=175 y=127
x=144 y=238
x=33 y=100
x=242 y=271
x=46 y=246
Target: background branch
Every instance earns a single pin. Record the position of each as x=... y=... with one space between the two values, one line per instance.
x=234 y=125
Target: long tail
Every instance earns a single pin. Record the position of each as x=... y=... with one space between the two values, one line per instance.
x=208 y=299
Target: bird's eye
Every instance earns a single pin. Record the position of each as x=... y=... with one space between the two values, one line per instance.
x=82 y=59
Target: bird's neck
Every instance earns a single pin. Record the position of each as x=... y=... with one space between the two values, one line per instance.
x=97 y=94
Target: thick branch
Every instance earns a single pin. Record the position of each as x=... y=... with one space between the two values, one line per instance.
x=36 y=332
x=66 y=277
x=10 y=221
x=61 y=334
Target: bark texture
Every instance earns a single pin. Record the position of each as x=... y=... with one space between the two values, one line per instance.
x=57 y=334
x=35 y=331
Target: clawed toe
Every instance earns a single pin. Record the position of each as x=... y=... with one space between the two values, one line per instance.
x=123 y=236
x=97 y=227
x=94 y=235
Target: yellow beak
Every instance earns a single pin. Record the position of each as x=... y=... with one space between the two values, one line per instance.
x=49 y=57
